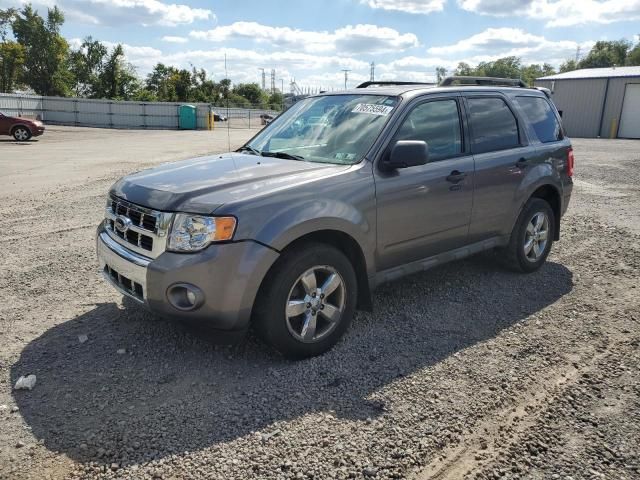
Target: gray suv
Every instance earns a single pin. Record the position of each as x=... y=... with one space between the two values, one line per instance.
x=342 y=192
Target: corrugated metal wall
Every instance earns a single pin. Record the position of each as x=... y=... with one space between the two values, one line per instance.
x=116 y=114
x=581 y=102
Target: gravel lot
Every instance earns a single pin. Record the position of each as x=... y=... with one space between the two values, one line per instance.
x=466 y=371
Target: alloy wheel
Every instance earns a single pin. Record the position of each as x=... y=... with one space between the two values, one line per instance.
x=536 y=237
x=21 y=134
x=315 y=304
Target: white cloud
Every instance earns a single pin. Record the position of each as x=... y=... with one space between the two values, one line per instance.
x=494 y=43
x=174 y=39
x=559 y=13
x=349 y=39
x=243 y=64
x=121 y=12
x=408 y=6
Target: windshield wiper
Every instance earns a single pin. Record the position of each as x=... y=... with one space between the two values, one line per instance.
x=247 y=148
x=285 y=155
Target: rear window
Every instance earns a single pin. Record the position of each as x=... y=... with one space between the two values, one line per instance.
x=541 y=116
x=493 y=125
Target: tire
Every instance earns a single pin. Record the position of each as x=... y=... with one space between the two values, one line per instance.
x=21 y=134
x=527 y=251
x=285 y=303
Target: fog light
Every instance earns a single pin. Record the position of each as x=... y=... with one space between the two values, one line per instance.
x=185 y=297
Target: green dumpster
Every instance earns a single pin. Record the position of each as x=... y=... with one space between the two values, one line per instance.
x=187 y=117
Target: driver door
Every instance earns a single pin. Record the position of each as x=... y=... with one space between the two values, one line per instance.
x=425 y=210
x=4 y=125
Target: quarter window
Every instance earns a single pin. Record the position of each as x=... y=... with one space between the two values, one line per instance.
x=438 y=124
x=544 y=121
x=493 y=125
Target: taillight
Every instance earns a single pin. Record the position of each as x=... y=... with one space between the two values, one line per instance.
x=570 y=162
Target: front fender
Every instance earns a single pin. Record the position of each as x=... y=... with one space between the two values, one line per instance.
x=318 y=215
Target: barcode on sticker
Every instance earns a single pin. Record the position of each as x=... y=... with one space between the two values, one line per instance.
x=383 y=110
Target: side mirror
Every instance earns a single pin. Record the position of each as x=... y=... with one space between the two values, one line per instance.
x=407 y=153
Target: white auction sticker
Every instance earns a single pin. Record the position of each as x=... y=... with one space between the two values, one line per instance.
x=373 y=109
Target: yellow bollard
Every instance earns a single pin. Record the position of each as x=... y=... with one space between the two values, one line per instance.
x=614 y=128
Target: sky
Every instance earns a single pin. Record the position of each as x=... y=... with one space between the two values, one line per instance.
x=311 y=42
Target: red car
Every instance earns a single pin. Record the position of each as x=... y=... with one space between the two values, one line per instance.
x=22 y=129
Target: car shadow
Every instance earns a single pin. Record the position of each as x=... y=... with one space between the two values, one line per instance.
x=174 y=390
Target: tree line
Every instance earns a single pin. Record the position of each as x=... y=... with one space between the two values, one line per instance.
x=34 y=55
x=618 y=53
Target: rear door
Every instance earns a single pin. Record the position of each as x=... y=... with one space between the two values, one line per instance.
x=425 y=210
x=501 y=152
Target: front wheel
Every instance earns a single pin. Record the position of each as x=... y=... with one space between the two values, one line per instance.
x=532 y=237
x=307 y=301
x=21 y=134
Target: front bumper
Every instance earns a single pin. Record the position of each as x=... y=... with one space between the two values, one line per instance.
x=228 y=275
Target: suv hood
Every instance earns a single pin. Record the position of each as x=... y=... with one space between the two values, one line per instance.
x=203 y=184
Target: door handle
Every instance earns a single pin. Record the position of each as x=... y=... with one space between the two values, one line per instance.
x=456 y=176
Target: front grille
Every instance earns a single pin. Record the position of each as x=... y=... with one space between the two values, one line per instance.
x=135 y=238
x=124 y=283
x=140 y=218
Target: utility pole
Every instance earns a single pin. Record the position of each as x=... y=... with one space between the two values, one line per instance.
x=577 y=53
x=282 y=86
x=346 y=77
x=273 y=81
x=373 y=72
x=264 y=86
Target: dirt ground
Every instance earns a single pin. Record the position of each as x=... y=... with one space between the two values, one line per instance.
x=466 y=371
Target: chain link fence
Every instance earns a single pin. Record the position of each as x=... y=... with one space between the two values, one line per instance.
x=127 y=114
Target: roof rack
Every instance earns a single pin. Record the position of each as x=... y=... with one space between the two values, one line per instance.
x=483 y=81
x=368 y=84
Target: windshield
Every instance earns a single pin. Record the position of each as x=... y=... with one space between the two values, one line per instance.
x=336 y=129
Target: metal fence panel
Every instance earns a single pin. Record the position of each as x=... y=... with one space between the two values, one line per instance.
x=123 y=114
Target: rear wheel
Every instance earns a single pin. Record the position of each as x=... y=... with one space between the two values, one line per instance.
x=21 y=134
x=307 y=301
x=532 y=237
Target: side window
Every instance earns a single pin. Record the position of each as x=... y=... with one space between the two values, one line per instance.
x=544 y=121
x=493 y=125
x=438 y=124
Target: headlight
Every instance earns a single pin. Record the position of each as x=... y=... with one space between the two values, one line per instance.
x=191 y=233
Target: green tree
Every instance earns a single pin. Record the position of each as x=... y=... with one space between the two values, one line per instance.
x=530 y=72
x=159 y=85
x=633 y=57
x=276 y=101
x=117 y=80
x=606 y=54
x=225 y=87
x=464 y=70
x=569 y=66
x=45 y=51
x=182 y=82
x=87 y=64
x=6 y=20
x=252 y=92
x=507 y=67
x=11 y=63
